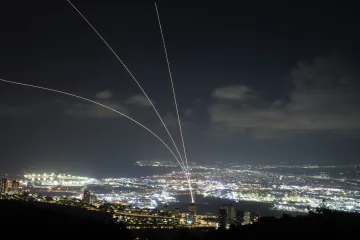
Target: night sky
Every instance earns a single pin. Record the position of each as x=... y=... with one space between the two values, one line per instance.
x=255 y=83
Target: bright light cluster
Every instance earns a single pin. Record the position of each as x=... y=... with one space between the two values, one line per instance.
x=53 y=179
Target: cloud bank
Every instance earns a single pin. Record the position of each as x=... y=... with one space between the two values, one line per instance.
x=324 y=97
x=139 y=99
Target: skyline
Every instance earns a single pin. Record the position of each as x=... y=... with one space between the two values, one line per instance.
x=263 y=91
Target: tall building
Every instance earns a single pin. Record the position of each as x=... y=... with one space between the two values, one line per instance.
x=9 y=185
x=246 y=219
x=177 y=213
x=166 y=208
x=230 y=212
x=15 y=185
x=190 y=218
x=93 y=198
x=3 y=185
x=192 y=208
x=239 y=217
x=87 y=196
x=222 y=217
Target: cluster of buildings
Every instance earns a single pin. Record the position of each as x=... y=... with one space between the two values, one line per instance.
x=11 y=186
x=136 y=217
x=229 y=215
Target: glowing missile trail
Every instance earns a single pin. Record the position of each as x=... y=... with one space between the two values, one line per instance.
x=127 y=69
x=176 y=105
x=102 y=105
x=143 y=91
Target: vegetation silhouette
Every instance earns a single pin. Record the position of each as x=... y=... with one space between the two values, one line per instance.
x=61 y=221
x=322 y=223
x=57 y=220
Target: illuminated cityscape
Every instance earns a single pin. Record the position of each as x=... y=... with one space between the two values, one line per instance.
x=146 y=202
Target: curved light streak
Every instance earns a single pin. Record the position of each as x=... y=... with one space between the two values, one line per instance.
x=102 y=105
x=127 y=69
x=175 y=101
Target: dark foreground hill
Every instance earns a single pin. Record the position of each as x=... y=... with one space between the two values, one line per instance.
x=51 y=220
x=326 y=225
x=322 y=224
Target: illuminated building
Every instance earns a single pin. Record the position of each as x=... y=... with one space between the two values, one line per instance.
x=230 y=213
x=93 y=198
x=192 y=208
x=177 y=213
x=222 y=218
x=3 y=185
x=166 y=208
x=246 y=219
x=9 y=185
x=190 y=218
x=16 y=187
x=239 y=217
x=87 y=196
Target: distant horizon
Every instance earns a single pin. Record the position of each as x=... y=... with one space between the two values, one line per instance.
x=154 y=170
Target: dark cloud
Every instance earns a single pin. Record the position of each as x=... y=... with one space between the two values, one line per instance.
x=324 y=97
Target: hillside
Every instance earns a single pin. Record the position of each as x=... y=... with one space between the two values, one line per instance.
x=55 y=220
x=28 y=218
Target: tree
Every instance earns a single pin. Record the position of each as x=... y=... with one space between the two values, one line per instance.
x=322 y=207
x=48 y=198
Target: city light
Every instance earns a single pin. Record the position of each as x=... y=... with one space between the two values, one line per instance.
x=139 y=202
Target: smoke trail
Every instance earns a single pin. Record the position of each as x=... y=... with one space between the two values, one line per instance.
x=127 y=69
x=102 y=105
x=176 y=105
